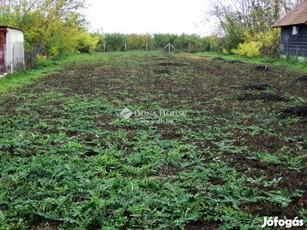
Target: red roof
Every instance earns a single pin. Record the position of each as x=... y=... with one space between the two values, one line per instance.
x=295 y=17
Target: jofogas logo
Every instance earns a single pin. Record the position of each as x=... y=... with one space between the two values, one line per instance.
x=157 y=117
x=276 y=222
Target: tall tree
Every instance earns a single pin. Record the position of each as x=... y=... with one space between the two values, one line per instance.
x=250 y=22
x=256 y=15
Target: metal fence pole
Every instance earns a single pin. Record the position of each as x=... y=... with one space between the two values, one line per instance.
x=13 y=59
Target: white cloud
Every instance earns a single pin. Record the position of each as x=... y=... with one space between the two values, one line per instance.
x=149 y=16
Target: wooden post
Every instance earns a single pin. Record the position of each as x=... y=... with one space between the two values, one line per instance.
x=168 y=47
x=146 y=46
x=126 y=48
x=104 y=47
x=287 y=54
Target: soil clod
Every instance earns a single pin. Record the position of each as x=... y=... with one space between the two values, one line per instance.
x=235 y=62
x=302 y=78
x=262 y=86
x=162 y=71
x=261 y=96
x=218 y=59
x=171 y=64
x=299 y=111
x=261 y=68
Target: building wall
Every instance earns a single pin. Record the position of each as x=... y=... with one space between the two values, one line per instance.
x=14 y=55
x=295 y=45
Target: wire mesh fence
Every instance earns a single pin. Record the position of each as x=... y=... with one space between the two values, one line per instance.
x=31 y=54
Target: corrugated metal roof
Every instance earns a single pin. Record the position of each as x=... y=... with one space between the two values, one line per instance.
x=295 y=17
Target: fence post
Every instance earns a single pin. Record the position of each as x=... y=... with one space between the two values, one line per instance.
x=287 y=54
x=13 y=59
x=169 y=46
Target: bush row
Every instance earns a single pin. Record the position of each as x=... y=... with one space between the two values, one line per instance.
x=183 y=42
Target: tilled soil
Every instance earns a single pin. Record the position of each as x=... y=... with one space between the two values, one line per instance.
x=209 y=90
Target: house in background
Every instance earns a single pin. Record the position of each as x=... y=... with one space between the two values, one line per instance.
x=294 y=31
x=11 y=49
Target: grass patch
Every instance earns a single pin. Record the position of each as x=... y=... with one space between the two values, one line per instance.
x=290 y=65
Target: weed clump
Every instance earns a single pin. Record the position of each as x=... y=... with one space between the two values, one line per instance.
x=218 y=59
x=235 y=62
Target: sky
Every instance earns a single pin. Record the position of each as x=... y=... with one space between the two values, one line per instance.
x=150 y=16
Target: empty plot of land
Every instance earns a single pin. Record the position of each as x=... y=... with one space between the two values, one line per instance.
x=206 y=145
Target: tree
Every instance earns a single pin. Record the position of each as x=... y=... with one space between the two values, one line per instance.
x=54 y=27
x=254 y=14
x=254 y=17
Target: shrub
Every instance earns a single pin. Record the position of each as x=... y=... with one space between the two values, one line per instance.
x=211 y=44
x=138 y=42
x=188 y=43
x=248 y=49
x=184 y=42
x=41 y=60
x=259 y=44
x=161 y=40
x=271 y=42
x=86 y=42
x=115 y=42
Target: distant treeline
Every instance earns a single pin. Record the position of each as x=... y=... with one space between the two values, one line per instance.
x=183 y=42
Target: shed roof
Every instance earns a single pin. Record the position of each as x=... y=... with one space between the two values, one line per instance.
x=8 y=27
x=296 y=16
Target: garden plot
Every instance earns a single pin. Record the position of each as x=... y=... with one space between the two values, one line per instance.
x=191 y=155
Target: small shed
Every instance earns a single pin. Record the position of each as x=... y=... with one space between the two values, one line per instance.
x=294 y=31
x=11 y=49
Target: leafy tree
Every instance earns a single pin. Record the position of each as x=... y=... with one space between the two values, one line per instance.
x=211 y=43
x=161 y=40
x=242 y=19
x=114 y=42
x=53 y=27
x=188 y=43
x=138 y=42
x=234 y=34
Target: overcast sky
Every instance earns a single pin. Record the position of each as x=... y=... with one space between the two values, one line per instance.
x=150 y=16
